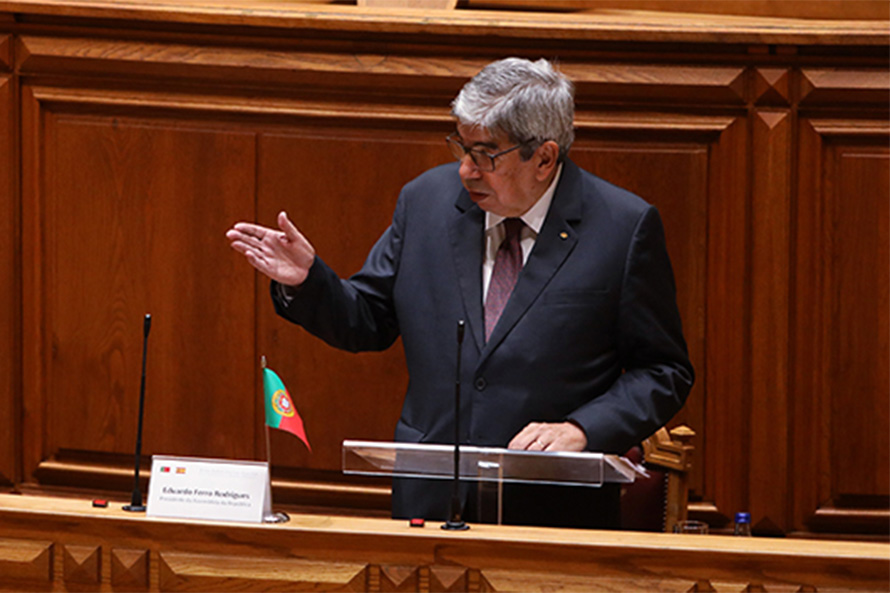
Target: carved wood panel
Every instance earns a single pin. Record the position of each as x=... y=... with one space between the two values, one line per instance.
x=764 y=421
x=9 y=285
x=841 y=324
x=66 y=545
x=126 y=216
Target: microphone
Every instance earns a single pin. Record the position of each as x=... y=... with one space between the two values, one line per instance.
x=136 y=505
x=455 y=522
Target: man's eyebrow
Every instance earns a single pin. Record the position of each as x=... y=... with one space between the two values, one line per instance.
x=490 y=145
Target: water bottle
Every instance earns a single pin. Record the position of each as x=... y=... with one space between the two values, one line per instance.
x=743 y=524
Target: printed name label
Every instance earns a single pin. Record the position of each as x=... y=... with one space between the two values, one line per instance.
x=212 y=489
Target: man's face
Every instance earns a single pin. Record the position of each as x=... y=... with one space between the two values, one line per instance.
x=512 y=188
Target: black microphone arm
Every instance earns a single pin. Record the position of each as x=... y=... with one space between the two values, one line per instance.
x=455 y=522
x=136 y=505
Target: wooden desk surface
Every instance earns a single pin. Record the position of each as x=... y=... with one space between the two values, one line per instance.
x=606 y=25
x=59 y=541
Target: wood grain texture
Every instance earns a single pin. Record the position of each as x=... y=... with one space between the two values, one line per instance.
x=337 y=553
x=724 y=458
x=771 y=86
x=825 y=9
x=842 y=324
x=769 y=427
x=26 y=561
x=363 y=74
x=5 y=52
x=633 y=27
x=827 y=86
x=9 y=288
x=857 y=189
x=134 y=215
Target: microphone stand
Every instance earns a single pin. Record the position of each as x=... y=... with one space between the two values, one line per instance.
x=136 y=505
x=455 y=522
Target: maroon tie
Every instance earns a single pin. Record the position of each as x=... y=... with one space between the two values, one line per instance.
x=507 y=265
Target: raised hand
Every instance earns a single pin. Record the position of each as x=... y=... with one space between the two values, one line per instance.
x=282 y=254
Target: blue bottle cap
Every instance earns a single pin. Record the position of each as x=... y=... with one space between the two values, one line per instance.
x=743 y=517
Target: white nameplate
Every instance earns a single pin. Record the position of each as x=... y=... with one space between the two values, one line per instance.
x=213 y=489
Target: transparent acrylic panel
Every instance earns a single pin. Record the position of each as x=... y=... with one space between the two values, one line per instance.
x=485 y=464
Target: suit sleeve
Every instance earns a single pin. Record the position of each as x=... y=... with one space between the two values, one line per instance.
x=355 y=314
x=657 y=373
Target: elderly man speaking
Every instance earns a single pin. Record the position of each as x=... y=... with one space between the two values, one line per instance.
x=574 y=337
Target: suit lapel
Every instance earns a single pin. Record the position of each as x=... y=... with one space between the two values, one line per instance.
x=555 y=242
x=466 y=233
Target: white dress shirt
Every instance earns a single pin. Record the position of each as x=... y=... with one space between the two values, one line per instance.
x=494 y=232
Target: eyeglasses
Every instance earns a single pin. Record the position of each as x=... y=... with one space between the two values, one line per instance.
x=483 y=160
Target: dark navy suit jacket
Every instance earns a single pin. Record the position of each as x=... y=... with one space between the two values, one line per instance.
x=591 y=333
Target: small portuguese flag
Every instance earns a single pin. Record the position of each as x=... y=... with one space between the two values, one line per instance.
x=280 y=410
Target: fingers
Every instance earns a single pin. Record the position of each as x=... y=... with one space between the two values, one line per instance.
x=245 y=234
x=289 y=229
x=527 y=438
x=291 y=235
x=541 y=436
x=283 y=255
x=248 y=229
x=253 y=253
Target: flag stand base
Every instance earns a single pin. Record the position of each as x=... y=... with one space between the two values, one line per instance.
x=277 y=517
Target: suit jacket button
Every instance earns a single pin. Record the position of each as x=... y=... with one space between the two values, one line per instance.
x=480 y=383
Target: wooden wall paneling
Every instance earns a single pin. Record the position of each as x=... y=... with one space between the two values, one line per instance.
x=768 y=417
x=339 y=186
x=346 y=84
x=297 y=68
x=31 y=254
x=842 y=287
x=9 y=293
x=124 y=216
x=832 y=87
x=721 y=450
x=663 y=84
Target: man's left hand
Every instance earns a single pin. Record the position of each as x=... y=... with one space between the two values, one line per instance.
x=550 y=436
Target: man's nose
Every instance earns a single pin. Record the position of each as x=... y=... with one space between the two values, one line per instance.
x=468 y=168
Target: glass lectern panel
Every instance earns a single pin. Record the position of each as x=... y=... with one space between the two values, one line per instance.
x=485 y=464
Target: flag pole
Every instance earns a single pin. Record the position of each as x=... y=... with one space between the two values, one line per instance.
x=265 y=420
x=271 y=516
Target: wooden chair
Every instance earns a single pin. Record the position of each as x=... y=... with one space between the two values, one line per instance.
x=660 y=501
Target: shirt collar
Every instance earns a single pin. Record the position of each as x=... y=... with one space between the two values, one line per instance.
x=534 y=217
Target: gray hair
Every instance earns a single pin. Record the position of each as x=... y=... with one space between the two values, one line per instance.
x=529 y=101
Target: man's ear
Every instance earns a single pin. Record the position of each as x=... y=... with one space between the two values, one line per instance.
x=546 y=159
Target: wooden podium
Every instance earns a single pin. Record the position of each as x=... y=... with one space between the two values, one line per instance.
x=67 y=545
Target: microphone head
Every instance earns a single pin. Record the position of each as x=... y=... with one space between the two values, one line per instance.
x=461 y=326
x=146 y=325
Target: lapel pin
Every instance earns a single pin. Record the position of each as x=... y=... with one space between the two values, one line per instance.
x=563 y=235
